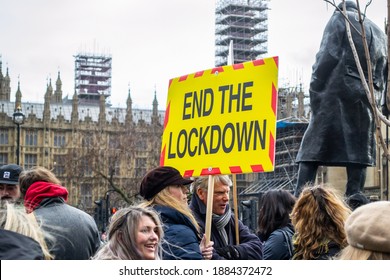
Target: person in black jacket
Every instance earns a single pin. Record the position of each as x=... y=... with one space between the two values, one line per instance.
x=341 y=131
x=21 y=237
x=16 y=246
x=274 y=225
x=223 y=224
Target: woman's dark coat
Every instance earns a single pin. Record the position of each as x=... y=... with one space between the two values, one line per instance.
x=278 y=246
x=15 y=246
x=181 y=239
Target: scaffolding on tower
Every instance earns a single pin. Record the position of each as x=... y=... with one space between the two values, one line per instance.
x=92 y=77
x=245 y=23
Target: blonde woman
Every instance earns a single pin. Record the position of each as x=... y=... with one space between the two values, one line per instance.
x=164 y=189
x=21 y=235
x=318 y=217
x=134 y=233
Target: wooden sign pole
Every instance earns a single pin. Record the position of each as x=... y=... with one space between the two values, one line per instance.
x=235 y=205
x=209 y=209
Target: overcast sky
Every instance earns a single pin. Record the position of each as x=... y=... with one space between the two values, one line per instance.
x=151 y=41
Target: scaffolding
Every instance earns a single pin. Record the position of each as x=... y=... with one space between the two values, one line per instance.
x=92 y=77
x=289 y=133
x=245 y=23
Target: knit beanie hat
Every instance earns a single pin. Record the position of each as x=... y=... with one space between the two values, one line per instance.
x=159 y=178
x=368 y=227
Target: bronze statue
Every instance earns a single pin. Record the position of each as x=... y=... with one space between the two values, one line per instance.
x=341 y=131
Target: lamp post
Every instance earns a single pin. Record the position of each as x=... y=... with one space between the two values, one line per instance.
x=18 y=118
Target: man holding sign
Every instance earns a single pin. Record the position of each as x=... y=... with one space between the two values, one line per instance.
x=248 y=247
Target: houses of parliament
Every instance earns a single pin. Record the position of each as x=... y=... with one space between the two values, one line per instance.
x=92 y=147
x=97 y=150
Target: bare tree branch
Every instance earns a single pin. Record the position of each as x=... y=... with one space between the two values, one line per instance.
x=369 y=88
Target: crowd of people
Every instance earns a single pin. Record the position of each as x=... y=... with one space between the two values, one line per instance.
x=37 y=223
x=316 y=223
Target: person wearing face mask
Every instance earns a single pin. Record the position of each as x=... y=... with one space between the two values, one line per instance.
x=134 y=233
x=248 y=247
x=164 y=189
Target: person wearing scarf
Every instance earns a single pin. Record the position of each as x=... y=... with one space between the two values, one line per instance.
x=75 y=234
x=223 y=224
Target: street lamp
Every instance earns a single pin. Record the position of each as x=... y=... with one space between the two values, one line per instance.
x=18 y=118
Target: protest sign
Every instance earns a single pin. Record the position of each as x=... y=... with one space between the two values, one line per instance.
x=222 y=120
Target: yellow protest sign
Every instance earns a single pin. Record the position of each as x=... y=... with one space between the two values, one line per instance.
x=222 y=120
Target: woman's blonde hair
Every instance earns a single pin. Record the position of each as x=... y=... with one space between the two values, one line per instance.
x=318 y=216
x=16 y=220
x=353 y=253
x=122 y=235
x=165 y=198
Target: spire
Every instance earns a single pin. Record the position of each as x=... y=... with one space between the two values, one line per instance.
x=58 y=82
x=75 y=108
x=155 y=108
x=129 y=101
x=57 y=98
x=129 y=110
x=5 y=85
x=49 y=89
x=18 y=97
x=46 y=107
x=7 y=78
x=155 y=103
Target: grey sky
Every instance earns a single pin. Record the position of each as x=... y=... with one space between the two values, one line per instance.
x=150 y=41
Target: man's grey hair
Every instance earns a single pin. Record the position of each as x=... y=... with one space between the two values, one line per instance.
x=203 y=181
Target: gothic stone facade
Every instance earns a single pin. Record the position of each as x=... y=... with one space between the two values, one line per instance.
x=91 y=149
